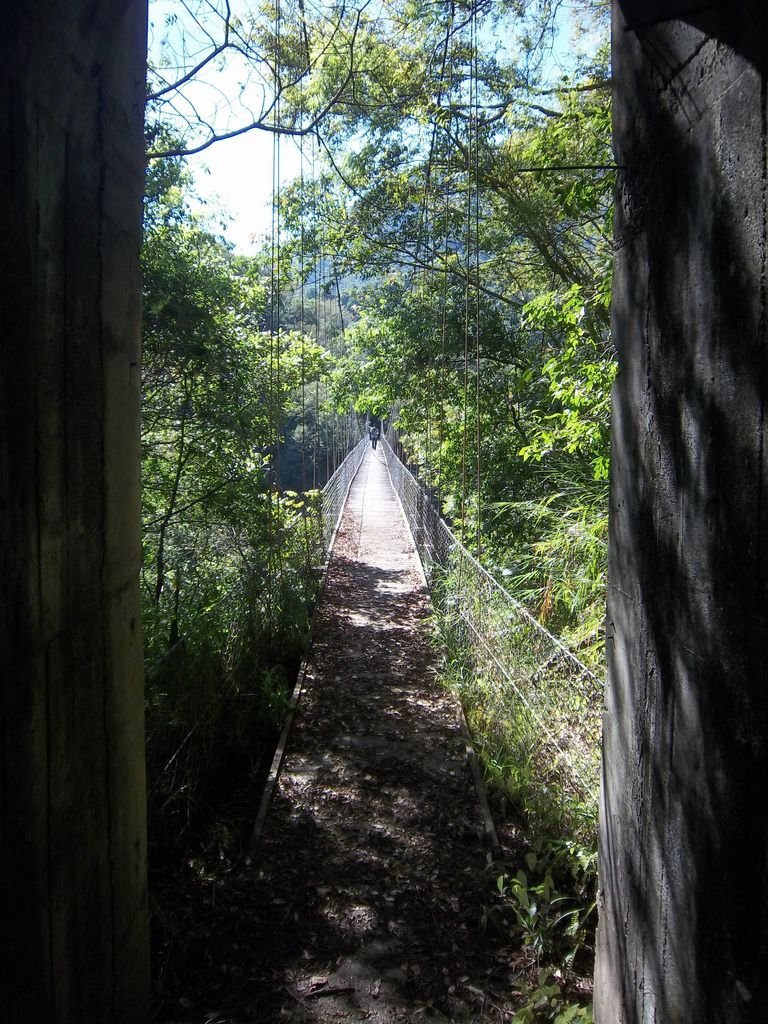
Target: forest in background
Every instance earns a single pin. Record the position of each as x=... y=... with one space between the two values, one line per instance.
x=442 y=261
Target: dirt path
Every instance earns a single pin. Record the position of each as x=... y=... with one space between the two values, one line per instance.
x=364 y=894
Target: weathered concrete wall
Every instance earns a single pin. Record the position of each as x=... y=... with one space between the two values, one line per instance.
x=73 y=846
x=684 y=846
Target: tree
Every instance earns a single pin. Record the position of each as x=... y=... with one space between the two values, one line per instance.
x=229 y=555
x=285 y=68
x=483 y=228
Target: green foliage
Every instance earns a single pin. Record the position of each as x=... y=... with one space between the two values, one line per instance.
x=484 y=321
x=534 y=715
x=578 y=376
x=481 y=319
x=229 y=570
x=544 y=1002
x=466 y=203
x=561 y=574
x=539 y=740
x=549 y=903
x=217 y=695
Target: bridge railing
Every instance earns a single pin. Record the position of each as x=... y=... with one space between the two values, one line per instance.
x=535 y=696
x=210 y=683
x=334 y=494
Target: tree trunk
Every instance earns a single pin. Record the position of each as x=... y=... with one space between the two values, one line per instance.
x=683 y=934
x=73 y=881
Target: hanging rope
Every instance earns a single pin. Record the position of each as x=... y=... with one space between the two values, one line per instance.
x=467 y=277
x=302 y=321
x=426 y=238
x=274 y=545
x=472 y=309
x=475 y=78
x=302 y=274
x=446 y=253
x=316 y=449
x=344 y=432
x=277 y=240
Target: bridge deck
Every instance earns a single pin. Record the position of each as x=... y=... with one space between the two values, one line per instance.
x=369 y=864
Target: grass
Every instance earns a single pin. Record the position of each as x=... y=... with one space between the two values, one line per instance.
x=537 y=734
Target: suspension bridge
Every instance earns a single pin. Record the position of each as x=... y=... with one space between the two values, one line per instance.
x=373 y=846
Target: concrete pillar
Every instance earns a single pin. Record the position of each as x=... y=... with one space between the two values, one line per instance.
x=683 y=933
x=73 y=842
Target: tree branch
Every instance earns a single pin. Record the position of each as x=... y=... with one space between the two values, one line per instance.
x=261 y=123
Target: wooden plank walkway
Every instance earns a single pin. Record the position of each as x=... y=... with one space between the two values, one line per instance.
x=369 y=870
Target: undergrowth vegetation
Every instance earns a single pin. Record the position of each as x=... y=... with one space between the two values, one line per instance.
x=535 y=721
x=231 y=558
x=225 y=662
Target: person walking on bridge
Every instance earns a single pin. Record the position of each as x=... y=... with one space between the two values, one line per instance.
x=373 y=433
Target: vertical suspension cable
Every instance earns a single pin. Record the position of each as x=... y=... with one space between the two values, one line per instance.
x=324 y=314
x=302 y=324
x=307 y=61
x=342 y=440
x=274 y=511
x=446 y=258
x=276 y=190
x=302 y=276
x=429 y=271
x=318 y=261
x=440 y=331
x=443 y=338
x=426 y=295
x=467 y=275
x=476 y=170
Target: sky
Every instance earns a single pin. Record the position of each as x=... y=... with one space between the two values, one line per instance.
x=236 y=176
x=233 y=178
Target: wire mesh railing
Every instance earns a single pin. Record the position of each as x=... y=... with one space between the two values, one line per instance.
x=335 y=492
x=536 y=698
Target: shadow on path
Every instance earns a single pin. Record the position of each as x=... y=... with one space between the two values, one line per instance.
x=364 y=896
